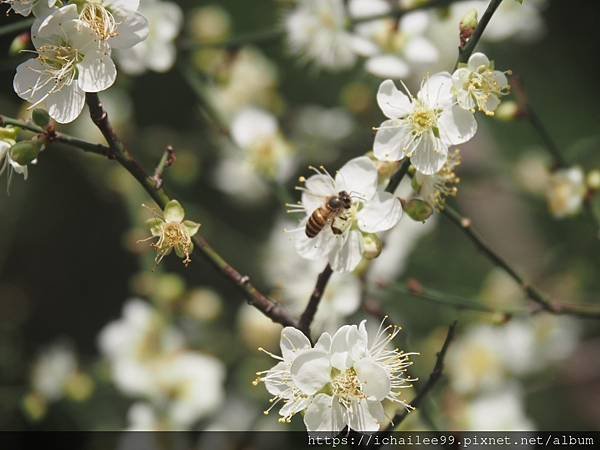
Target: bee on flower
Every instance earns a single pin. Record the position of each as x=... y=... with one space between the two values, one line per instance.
x=344 y=214
x=173 y=232
x=341 y=381
x=423 y=127
x=477 y=86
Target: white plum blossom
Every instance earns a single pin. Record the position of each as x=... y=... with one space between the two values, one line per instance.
x=116 y=22
x=342 y=381
x=26 y=7
x=316 y=29
x=70 y=62
x=478 y=86
x=157 y=52
x=52 y=371
x=392 y=48
x=434 y=189
x=423 y=127
x=371 y=212
x=566 y=191
x=500 y=410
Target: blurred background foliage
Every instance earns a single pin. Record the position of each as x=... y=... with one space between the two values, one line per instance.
x=69 y=258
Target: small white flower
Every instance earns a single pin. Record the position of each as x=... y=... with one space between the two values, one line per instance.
x=116 y=22
x=7 y=140
x=278 y=380
x=341 y=241
x=503 y=409
x=421 y=128
x=341 y=381
x=256 y=131
x=478 y=86
x=435 y=188
x=157 y=52
x=26 y=7
x=566 y=191
x=70 y=62
x=317 y=30
x=392 y=48
x=52 y=370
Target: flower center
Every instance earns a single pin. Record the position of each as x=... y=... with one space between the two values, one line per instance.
x=100 y=19
x=423 y=119
x=174 y=236
x=346 y=386
x=60 y=64
x=482 y=84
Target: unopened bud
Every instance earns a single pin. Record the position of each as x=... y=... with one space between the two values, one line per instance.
x=9 y=133
x=467 y=26
x=593 y=180
x=507 y=111
x=372 y=246
x=40 y=117
x=25 y=152
x=20 y=43
x=418 y=209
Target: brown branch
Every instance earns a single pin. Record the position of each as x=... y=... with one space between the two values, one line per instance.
x=125 y=158
x=313 y=303
x=532 y=292
x=433 y=379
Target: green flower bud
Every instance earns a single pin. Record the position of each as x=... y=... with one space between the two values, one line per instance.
x=593 y=180
x=418 y=209
x=469 y=21
x=20 y=43
x=25 y=152
x=372 y=246
x=8 y=133
x=40 y=117
x=507 y=111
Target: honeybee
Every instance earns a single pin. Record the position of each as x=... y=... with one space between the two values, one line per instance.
x=333 y=208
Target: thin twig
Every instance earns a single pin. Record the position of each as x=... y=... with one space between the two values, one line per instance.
x=272 y=310
x=415 y=289
x=532 y=292
x=167 y=160
x=398 y=176
x=465 y=52
x=313 y=303
x=54 y=136
x=433 y=379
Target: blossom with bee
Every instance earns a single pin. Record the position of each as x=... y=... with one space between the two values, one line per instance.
x=342 y=238
x=423 y=127
x=478 y=86
x=173 y=232
x=341 y=381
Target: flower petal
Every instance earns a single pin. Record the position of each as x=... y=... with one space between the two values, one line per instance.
x=392 y=140
x=421 y=51
x=380 y=213
x=346 y=252
x=385 y=66
x=311 y=371
x=374 y=379
x=317 y=248
x=324 y=343
x=133 y=28
x=292 y=341
x=393 y=103
x=358 y=176
x=97 y=72
x=191 y=227
x=322 y=415
x=457 y=125
x=361 y=418
x=437 y=91
x=318 y=188
x=273 y=383
x=430 y=155
x=477 y=60
x=340 y=353
x=174 y=212
x=65 y=105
